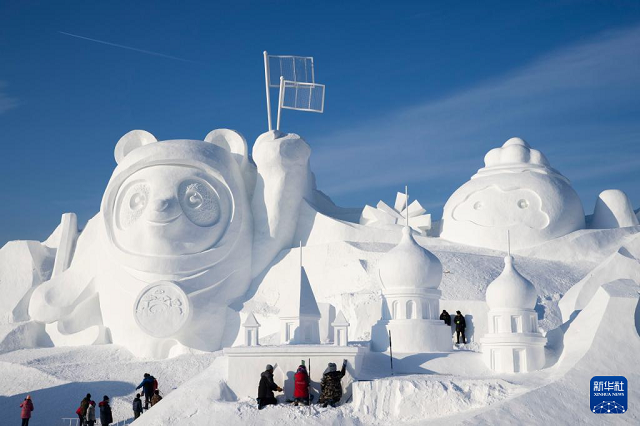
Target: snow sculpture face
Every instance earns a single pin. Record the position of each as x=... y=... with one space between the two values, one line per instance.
x=492 y=206
x=164 y=210
x=517 y=190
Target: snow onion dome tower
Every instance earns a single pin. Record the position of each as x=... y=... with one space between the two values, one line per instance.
x=517 y=190
x=300 y=315
x=410 y=277
x=513 y=344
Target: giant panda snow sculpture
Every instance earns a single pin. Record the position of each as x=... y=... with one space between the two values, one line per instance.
x=517 y=190
x=171 y=249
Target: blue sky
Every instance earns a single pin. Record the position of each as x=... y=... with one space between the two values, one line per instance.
x=417 y=92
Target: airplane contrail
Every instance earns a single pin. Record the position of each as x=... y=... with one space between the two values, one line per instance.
x=148 y=52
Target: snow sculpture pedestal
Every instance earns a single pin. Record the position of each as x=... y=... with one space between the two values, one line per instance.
x=247 y=363
x=513 y=344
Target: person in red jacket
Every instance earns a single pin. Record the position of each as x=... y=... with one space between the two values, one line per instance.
x=301 y=386
x=27 y=408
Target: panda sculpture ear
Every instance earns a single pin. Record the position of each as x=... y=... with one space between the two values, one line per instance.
x=232 y=141
x=130 y=141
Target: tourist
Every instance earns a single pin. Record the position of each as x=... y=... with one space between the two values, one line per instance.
x=331 y=386
x=27 y=408
x=90 y=417
x=444 y=316
x=266 y=388
x=106 y=417
x=148 y=385
x=137 y=406
x=156 y=397
x=461 y=324
x=82 y=410
x=301 y=386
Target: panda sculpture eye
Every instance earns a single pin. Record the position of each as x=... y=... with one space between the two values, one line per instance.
x=199 y=202
x=133 y=203
x=523 y=204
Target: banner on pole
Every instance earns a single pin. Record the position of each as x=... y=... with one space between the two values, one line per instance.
x=302 y=96
x=293 y=68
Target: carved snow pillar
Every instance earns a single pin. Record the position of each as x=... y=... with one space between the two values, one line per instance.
x=251 y=334
x=340 y=330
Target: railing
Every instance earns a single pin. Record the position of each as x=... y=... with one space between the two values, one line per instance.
x=74 y=421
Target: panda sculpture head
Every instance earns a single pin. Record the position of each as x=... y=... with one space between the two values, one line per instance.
x=177 y=207
x=517 y=190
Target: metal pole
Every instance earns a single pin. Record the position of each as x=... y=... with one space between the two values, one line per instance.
x=266 y=84
x=309 y=390
x=280 y=101
x=390 y=353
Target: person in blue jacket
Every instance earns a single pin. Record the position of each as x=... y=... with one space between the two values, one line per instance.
x=148 y=386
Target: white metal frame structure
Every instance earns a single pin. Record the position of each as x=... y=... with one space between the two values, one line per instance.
x=296 y=73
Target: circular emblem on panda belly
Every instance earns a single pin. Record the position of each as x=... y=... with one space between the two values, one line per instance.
x=161 y=309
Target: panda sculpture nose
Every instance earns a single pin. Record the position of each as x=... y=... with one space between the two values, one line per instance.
x=160 y=205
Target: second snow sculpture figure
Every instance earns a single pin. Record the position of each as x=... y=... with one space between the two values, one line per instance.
x=171 y=248
x=516 y=190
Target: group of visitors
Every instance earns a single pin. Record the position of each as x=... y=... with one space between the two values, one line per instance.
x=330 y=386
x=150 y=392
x=87 y=411
x=459 y=321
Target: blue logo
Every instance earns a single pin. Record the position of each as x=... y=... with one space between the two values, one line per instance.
x=609 y=395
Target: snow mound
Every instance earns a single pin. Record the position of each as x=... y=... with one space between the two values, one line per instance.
x=413 y=398
x=613 y=210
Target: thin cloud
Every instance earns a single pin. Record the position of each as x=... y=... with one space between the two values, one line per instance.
x=563 y=103
x=148 y=52
x=6 y=102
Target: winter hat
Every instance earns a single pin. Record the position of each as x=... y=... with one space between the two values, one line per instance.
x=105 y=398
x=458 y=312
x=139 y=150
x=269 y=367
x=88 y=396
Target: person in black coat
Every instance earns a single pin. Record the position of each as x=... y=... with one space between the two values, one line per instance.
x=266 y=388
x=106 y=416
x=461 y=324
x=444 y=316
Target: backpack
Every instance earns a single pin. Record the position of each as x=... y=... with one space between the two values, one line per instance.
x=79 y=410
x=155 y=383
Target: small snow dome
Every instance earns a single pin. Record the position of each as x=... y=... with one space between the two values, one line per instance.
x=409 y=265
x=511 y=290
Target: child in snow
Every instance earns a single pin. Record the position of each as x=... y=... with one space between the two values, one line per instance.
x=301 y=387
x=156 y=397
x=27 y=408
x=90 y=417
x=331 y=386
x=137 y=406
x=266 y=388
x=106 y=417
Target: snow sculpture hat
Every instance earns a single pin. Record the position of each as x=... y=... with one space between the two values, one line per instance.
x=409 y=265
x=220 y=158
x=511 y=290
